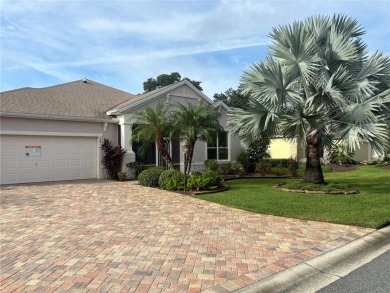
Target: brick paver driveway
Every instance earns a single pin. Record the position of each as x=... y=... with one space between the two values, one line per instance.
x=105 y=236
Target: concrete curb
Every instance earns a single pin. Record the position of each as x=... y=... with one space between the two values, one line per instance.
x=320 y=271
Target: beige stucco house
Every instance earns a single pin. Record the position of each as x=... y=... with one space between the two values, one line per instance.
x=54 y=133
x=283 y=149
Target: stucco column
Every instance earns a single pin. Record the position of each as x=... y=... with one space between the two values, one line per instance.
x=126 y=134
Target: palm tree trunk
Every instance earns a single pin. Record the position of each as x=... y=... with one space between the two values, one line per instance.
x=313 y=172
x=190 y=155
x=163 y=151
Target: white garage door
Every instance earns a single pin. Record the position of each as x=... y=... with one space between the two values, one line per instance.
x=47 y=158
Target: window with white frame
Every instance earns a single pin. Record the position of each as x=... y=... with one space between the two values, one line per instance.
x=218 y=147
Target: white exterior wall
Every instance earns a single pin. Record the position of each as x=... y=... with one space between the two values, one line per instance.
x=186 y=96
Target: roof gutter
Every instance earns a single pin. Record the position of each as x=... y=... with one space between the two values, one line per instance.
x=54 y=117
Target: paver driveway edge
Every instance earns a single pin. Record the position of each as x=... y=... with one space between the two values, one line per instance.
x=108 y=236
x=320 y=271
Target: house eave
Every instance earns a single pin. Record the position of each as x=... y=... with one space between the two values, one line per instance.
x=56 y=117
x=151 y=97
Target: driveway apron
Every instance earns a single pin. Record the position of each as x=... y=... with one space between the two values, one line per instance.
x=107 y=236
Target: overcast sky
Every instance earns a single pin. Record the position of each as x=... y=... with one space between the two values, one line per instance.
x=121 y=43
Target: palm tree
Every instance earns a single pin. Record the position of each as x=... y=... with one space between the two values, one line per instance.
x=152 y=126
x=318 y=85
x=194 y=122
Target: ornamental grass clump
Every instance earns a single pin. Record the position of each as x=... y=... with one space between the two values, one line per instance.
x=171 y=180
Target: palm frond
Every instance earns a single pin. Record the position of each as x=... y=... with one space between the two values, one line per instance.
x=193 y=122
x=296 y=48
x=250 y=123
x=347 y=26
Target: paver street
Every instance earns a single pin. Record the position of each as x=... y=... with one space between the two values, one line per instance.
x=112 y=236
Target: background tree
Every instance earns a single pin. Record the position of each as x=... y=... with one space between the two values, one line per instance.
x=150 y=84
x=167 y=79
x=318 y=76
x=194 y=122
x=195 y=83
x=152 y=126
x=233 y=98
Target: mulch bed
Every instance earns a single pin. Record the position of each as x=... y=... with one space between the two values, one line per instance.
x=343 y=168
x=348 y=191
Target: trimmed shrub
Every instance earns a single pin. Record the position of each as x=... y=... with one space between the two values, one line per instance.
x=112 y=158
x=244 y=159
x=214 y=177
x=171 y=180
x=280 y=162
x=212 y=165
x=150 y=177
x=207 y=180
x=292 y=166
x=196 y=182
x=225 y=168
x=280 y=171
x=264 y=167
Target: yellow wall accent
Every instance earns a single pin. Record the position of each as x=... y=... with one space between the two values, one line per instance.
x=282 y=149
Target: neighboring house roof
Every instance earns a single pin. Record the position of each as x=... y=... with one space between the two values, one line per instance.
x=220 y=104
x=81 y=98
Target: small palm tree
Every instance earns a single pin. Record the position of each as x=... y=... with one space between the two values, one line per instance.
x=195 y=122
x=318 y=85
x=341 y=154
x=152 y=126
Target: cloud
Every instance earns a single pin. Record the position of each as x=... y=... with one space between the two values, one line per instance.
x=124 y=42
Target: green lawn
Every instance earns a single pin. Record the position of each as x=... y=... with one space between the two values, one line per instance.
x=369 y=208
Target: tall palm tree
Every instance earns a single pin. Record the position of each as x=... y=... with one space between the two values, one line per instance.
x=318 y=85
x=195 y=122
x=152 y=126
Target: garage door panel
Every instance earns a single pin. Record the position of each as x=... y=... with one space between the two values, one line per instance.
x=10 y=164
x=44 y=141
x=87 y=164
x=60 y=175
x=27 y=164
x=45 y=152
x=74 y=152
x=60 y=152
x=59 y=141
x=60 y=163
x=59 y=158
x=44 y=176
x=9 y=152
x=75 y=174
x=9 y=178
x=75 y=163
x=28 y=140
x=27 y=176
x=43 y=164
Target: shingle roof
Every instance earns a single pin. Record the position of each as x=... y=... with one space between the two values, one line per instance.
x=82 y=98
x=141 y=97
